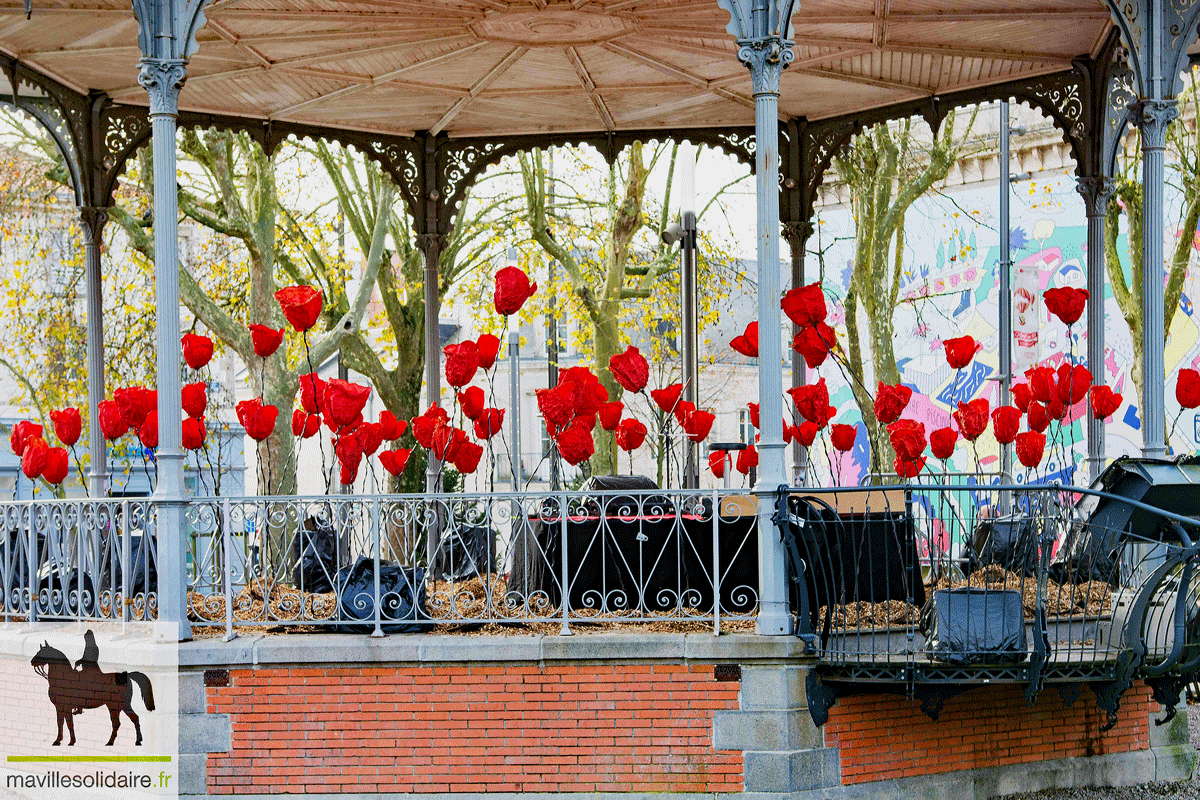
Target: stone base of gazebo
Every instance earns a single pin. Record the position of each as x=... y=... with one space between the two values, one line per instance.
x=620 y=715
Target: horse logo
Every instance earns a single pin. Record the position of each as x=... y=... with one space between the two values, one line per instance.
x=82 y=685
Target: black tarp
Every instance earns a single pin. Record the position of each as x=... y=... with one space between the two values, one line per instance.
x=977 y=626
x=356 y=597
x=318 y=557
x=464 y=552
x=1007 y=541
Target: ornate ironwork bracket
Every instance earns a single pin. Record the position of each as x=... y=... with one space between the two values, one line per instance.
x=1165 y=690
x=821 y=698
x=1069 y=692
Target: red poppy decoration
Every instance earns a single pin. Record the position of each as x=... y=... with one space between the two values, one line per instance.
x=197 y=349
x=512 y=290
x=112 y=424
x=698 y=424
x=716 y=463
x=908 y=467
x=575 y=445
x=489 y=423
x=1041 y=383
x=610 y=414
x=1187 y=388
x=805 y=305
x=135 y=403
x=1006 y=421
x=747 y=460
x=1067 y=303
x=588 y=394
x=258 y=419
x=746 y=343
x=960 y=351
x=1073 y=383
x=424 y=425
x=447 y=439
x=890 y=402
x=67 y=425
x=56 y=467
x=266 y=340
x=349 y=456
x=466 y=458
x=312 y=393
x=842 y=437
x=1037 y=417
x=148 y=431
x=301 y=306
x=1056 y=409
x=394 y=461
x=471 y=401
x=972 y=418
x=193 y=433
x=557 y=405
x=753 y=414
x=195 y=399
x=33 y=459
x=1105 y=401
x=489 y=346
x=630 y=369
x=942 y=442
x=393 y=428
x=24 y=431
x=812 y=402
x=346 y=401
x=667 y=397
x=630 y=434
x=1021 y=397
x=806 y=433
x=462 y=360
x=814 y=343
x=305 y=426
x=907 y=437
x=369 y=436
x=1030 y=446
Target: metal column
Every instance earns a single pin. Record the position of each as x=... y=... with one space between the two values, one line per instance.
x=93 y=220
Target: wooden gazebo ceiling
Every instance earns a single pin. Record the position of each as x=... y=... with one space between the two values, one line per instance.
x=475 y=67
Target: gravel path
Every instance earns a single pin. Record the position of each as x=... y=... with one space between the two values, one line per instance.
x=1184 y=790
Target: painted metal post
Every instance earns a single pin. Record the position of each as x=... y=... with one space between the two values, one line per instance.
x=514 y=405
x=1006 y=332
x=761 y=28
x=167 y=39
x=93 y=220
x=688 y=306
x=1095 y=192
x=797 y=236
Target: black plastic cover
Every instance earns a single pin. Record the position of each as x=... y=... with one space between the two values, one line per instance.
x=318 y=557
x=465 y=551
x=977 y=626
x=399 y=601
x=1007 y=541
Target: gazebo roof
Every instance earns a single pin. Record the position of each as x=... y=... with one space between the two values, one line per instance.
x=490 y=67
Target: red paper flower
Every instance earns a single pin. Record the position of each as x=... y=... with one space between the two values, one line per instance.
x=747 y=342
x=805 y=305
x=1073 y=383
x=24 y=431
x=610 y=414
x=266 y=340
x=424 y=425
x=1006 y=421
x=1105 y=401
x=305 y=426
x=842 y=437
x=33 y=459
x=1067 y=303
x=1041 y=383
x=908 y=467
x=588 y=394
x=753 y=414
x=972 y=418
x=1056 y=409
x=466 y=459
x=557 y=405
x=67 y=425
x=312 y=393
x=942 y=442
x=630 y=369
x=960 y=351
x=135 y=403
x=394 y=461
x=489 y=346
x=698 y=424
x=806 y=433
x=512 y=290
x=345 y=402
x=349 y=456
x=716 y=463
x=471 y=401
x=148 y=431
x=197 y=349
x=112 y=424
x=193 y=433
x=256 y=418
x=369 y=436
x=890 y=402
x=747 y=460
x=447 y=439
x=812 y=402
x=1187 y=388
x=393 y=428
x=462 y=360
x=489 y=423
x=1030 y=446
x=1037 y=417
x=814 y=343
x=630 y=434
x=55 y=470
x=301 y=306
x=575 y=445
x=1021 y=397
x=667 y=397
x=195 y=399
x=907 y=437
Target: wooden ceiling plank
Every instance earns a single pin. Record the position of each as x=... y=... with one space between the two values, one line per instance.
x=300 y=61
x=232 y=38
x=865 y=80
x=339 y=33
x=491 y=75
x=1006 y=15
x=879 y=34
x=654 y=63
x=590 y=87
x=936 y=49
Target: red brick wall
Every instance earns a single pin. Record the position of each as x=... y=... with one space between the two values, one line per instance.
x=885 y=736
x=617 y=727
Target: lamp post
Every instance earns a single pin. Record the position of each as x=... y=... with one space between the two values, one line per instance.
x=684 y=232
x=761 y=29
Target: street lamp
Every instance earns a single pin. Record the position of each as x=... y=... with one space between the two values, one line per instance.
x=684 y=232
